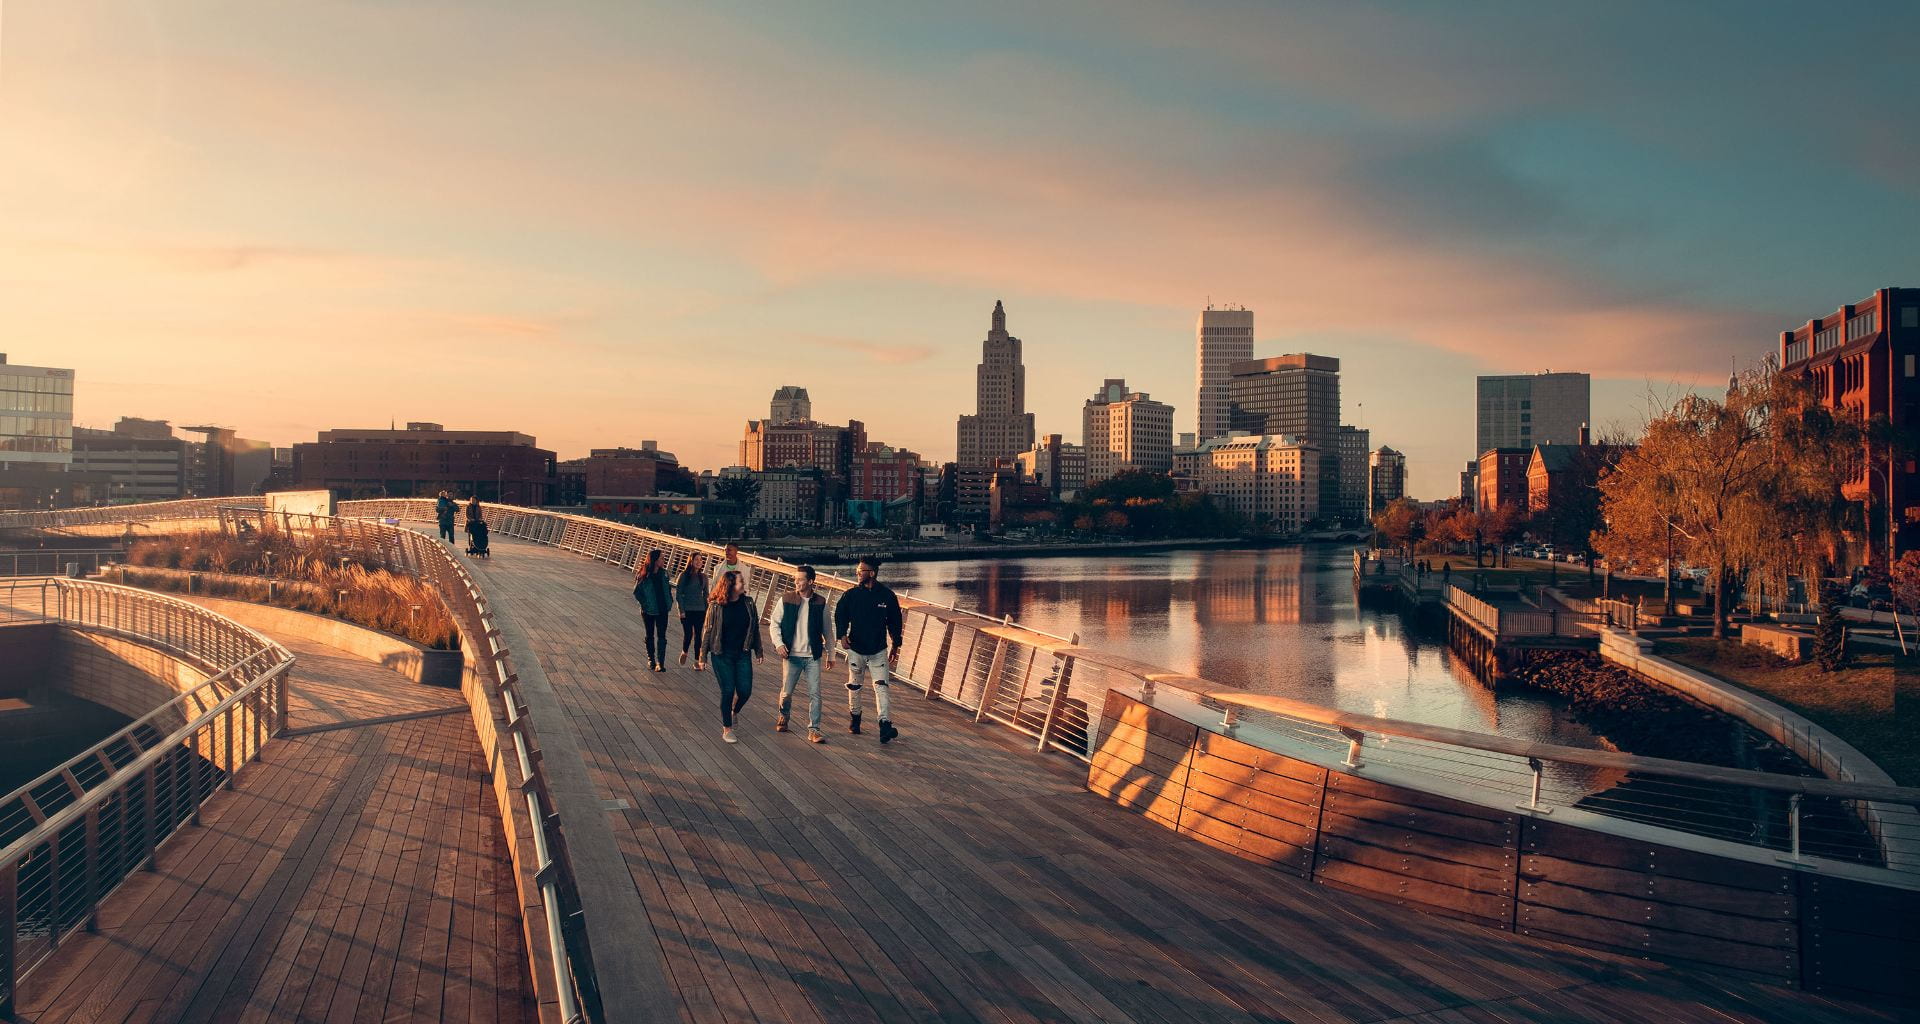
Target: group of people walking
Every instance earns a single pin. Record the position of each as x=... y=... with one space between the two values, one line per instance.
x=719 y=626
x=443 y=511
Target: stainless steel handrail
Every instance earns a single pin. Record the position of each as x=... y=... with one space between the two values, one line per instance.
x=224 y=721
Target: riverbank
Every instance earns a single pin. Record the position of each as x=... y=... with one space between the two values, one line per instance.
x=1636 y=715
x=1874 y=704
x=837 y=554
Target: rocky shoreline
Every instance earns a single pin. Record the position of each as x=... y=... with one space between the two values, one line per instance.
x=1640 y=717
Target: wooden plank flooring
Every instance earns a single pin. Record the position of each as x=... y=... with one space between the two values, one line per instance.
x=358 y=873
x=956 y=875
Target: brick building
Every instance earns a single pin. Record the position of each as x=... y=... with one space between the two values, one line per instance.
x=1861 y=358
x=1503 y=478
x=882 y=473
x=424 y=459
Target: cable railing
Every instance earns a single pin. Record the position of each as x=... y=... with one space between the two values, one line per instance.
x=70 y=837
x=1054 y=690
x=125 y=515
x=56 y=561
x=565 y=964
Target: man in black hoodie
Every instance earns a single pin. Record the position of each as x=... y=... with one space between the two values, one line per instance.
x=867 y=617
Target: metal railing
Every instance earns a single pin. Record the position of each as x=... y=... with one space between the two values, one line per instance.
x=403 y=551
x=69 y=838
x=1053 y=690
x=122 y=515
x=54 y=562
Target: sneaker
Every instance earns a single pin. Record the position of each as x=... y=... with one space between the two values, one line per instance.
x=887 y=731
x=659 y=666
x=780 y=724
x=853 y=723
x=727 y=735
x=813 y=736
x=652 y=666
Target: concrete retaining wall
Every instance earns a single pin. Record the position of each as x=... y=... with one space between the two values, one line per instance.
x=1828 y=754
x=121 y=674
x=26 y=657
x=432 y=668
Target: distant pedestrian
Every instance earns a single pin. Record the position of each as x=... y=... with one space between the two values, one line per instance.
x=651 y=589
x=730 y=562
x=476 y=529
x=799 y=631
x=443 y=511
x=1446 y=573
x=733 y=632
x=865 y=620
x=690 y=593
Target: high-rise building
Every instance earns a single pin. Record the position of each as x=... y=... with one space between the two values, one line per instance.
x=1126 y=430
x=1222 y=338
x=36 y=437
x=1386 y=478
x=1000 y=426
x=1522 y=410
x=1294 y=395
x=1862 y=358
x=1270 y=479
x=790 y=405
x=1351 y=445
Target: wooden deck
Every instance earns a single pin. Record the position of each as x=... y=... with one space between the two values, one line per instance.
x=357 y=873
x=956 y=875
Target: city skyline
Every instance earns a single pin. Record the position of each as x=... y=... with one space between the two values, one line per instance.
x=293 y=220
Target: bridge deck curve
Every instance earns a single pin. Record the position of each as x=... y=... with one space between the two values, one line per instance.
x=957 y=875
x=356 y=872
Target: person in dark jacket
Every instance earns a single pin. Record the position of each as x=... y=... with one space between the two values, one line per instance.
x=690 y=593
x=733 y=632
x=476 y=528
x=867 y=617
x=443 y=511
x=651 y=589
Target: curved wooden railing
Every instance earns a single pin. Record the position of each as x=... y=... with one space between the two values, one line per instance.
x=68 y=838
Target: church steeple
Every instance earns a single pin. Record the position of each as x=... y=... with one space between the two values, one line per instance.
x=999 y=317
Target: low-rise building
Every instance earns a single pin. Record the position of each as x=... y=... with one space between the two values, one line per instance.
x=1271 y=479
x=882 y=473
x=1503 y=478
x=1058 y=466
x=635 y=472
x=425 y=459
x=792 y=497
x=138 y=468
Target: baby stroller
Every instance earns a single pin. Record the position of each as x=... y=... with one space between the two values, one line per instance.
x=477 y=539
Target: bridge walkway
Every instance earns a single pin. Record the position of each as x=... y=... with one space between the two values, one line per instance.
x=356 y=873
x=956 y=875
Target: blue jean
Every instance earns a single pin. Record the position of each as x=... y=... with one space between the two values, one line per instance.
x=868 y=666
x=735 y=673
x=810 y=668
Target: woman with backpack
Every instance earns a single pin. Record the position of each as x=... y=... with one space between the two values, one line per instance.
x=651 y=589
x=690 y=593
x=733 y=632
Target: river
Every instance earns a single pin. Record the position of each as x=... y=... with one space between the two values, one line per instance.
x=1277 y=620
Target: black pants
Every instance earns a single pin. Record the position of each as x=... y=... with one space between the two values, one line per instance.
x=656 y=638
x=446 y=530
x=692 y=624
x=735 y=674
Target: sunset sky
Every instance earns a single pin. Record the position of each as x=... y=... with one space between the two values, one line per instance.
x=601 y=223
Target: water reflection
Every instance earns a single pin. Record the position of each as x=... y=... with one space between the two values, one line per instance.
x=1283 y=621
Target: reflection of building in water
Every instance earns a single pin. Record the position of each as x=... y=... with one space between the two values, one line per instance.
x=1125 y=602
x=1271 y=592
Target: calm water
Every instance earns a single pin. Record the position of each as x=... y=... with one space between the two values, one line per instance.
x=1281 y=621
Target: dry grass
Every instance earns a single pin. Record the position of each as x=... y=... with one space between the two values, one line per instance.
x=319 y=577
x=1874 y=705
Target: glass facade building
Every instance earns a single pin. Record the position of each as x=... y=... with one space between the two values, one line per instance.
x=36 y=415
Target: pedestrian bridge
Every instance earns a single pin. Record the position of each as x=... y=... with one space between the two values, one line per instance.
x=1062 y=834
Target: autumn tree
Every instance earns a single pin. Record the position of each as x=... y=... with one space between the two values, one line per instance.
x=1401 y=524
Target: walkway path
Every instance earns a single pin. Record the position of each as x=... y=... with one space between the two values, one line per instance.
x=356 y=873
x=956 y=875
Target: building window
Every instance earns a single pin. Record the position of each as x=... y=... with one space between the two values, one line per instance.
x=1910 y=316
x=1909 y=364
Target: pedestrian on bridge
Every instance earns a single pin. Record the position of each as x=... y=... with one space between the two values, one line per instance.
x=799 y=630
x=443 y=511
x=730 y=562
x=476 y=529
x=732 y=634
x=867 y=617
x=650 y=588
x=690 y=593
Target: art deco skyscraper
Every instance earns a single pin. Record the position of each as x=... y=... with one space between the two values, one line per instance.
x=1222 y=338
x=1000 y=427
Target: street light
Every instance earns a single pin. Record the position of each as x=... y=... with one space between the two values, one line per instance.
x=1886 y=477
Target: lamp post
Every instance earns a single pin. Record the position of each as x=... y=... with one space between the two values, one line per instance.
x=1886 y=478
x=1667 y=568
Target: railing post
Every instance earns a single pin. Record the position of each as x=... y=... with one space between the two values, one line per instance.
x=991 y=683
x=9 y=927
x=91 y=862
x=1793 y=824
x=1354 y=739
x=1053 y=706
x=151 y=814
